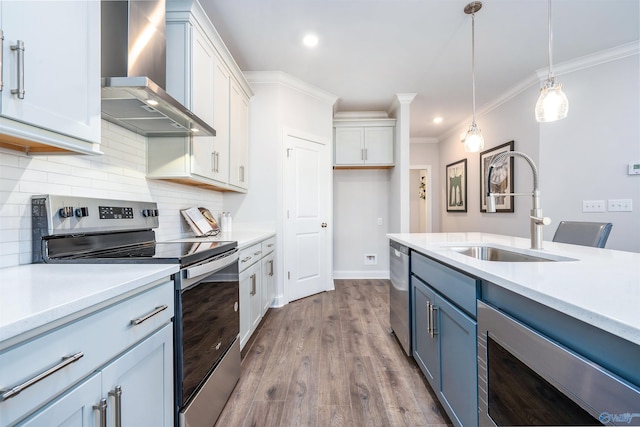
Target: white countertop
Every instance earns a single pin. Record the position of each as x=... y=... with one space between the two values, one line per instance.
x=245 y=238
x=35 y=297
x=601 y=287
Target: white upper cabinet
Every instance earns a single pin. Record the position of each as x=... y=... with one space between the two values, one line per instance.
x=50 y=94
x=364 y=143
x=204 y=77
x=239 y=137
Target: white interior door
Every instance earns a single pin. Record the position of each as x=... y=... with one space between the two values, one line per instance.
x=307 y=208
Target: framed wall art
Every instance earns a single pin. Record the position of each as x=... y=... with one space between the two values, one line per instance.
x=456 y=180
x=501 y=178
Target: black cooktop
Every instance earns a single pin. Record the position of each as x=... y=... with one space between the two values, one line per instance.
x=83 y=249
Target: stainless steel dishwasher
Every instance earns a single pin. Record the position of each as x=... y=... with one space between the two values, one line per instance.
x=399 y=295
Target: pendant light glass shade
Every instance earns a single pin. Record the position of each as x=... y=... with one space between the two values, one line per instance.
x=474 y=141
x=552 y=104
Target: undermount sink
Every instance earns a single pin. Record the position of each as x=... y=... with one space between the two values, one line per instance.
x=491 y=253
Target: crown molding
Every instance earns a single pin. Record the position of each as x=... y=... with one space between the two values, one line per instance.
x=284 y=79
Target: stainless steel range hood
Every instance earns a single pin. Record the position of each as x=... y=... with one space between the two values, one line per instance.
x=134 y=72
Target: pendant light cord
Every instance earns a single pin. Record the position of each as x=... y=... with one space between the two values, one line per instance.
x=473 y=65
x=549 y=54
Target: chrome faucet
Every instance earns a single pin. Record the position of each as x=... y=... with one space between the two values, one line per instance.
x=537 y=220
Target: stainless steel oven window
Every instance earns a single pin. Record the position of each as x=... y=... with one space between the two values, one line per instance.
x=524 y=378
x=207 y=323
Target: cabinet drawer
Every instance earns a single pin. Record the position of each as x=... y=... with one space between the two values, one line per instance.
x=461 y=289
x=250 y=255
x=268 y=245
x=99 y=337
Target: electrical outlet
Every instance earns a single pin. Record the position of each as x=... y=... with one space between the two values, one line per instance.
x=379 y=221
x=593 y=206
x=370 y=259
x=620 y=205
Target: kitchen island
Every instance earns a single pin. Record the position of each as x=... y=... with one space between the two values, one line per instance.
x=568 y=314
x=600 y=287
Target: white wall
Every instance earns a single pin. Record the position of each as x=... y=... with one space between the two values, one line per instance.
x=360 y=198
x=118 y=174
x=280 y=102
x=583 y=157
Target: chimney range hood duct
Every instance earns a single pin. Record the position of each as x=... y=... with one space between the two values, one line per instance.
x=134 y=72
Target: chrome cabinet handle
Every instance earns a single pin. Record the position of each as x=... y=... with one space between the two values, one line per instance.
x=246 y=259
x=253 y=284
x=257 y=253
x=19 y=47
x=362 y=154
x=217 y=162
x=270 y=267
x=366 y=157
x=1 y=54
x=117 y=395
x=102 y=409
x=241 y=173
x=433 y=310
x=157 y=310
x=8 y=393
x=213 y=161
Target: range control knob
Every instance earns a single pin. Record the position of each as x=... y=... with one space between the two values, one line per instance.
x=82 y=212
x=66 y=212
x=149 y=212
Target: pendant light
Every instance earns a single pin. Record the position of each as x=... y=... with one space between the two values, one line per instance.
x=552 y=104
x=473 y=142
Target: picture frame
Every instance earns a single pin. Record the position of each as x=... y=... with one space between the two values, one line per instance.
x=502 y=177
x=456 y=182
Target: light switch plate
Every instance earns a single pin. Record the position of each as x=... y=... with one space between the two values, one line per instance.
x=620 y=205
x=593 y=206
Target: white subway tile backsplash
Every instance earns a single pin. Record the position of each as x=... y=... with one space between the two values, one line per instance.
x=118 y=174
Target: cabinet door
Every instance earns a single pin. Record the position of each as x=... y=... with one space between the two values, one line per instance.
x=349 y=145
x=246 y=285
x=221 y=87
x=268 y=269
x=202 y=72
x=458 y=356
x=239 y=137
x=60 y=67
x=145 y=376
x=426 y=350
x=72 y=409
x=255 y=295
x=378 y=145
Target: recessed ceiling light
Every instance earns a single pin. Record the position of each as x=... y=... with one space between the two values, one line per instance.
x=310 y=40
x=437 y=120
x=152 y=102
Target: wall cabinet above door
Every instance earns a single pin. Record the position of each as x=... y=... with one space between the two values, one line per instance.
x=50 y=77
x=364 y=143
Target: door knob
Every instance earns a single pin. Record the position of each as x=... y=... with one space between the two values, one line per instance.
x=323 y=225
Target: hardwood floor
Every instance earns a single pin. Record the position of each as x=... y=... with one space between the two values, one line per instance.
x=329 y=360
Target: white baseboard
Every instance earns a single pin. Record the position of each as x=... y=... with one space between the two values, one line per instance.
x=380 y=274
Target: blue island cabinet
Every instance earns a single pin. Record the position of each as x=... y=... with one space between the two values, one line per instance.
x=445 y=335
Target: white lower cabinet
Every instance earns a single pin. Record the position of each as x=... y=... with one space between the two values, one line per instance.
x=74 y=408
x=57 y=378
x=257 y=285
x=135 y=389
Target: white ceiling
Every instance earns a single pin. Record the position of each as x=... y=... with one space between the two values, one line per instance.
x=370 y=50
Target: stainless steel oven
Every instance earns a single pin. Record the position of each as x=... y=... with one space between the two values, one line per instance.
x=69 y=229
x=526 y=378
x=207 y=327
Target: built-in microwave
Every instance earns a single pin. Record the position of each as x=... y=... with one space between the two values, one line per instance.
x=526 y=378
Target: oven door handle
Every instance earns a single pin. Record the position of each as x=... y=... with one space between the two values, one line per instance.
x=212 y=265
